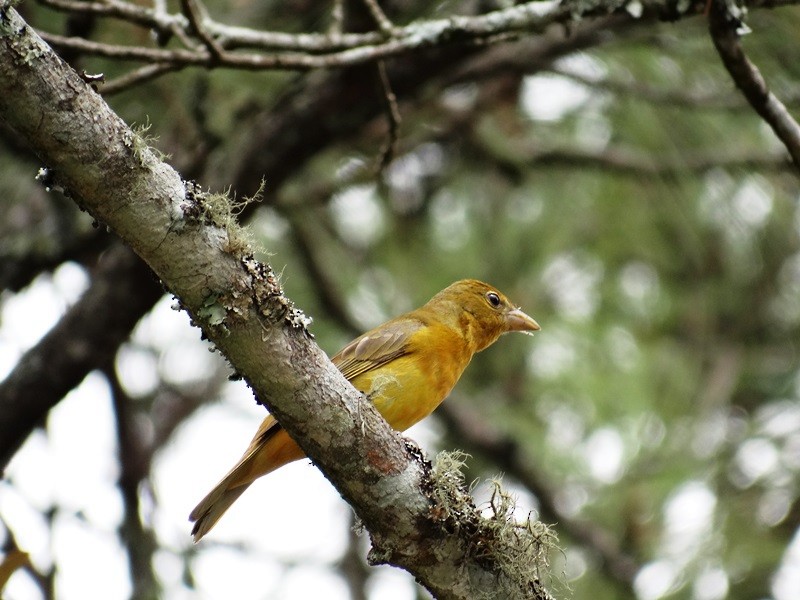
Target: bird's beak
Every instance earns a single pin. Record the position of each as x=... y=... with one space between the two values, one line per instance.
x=519 y=321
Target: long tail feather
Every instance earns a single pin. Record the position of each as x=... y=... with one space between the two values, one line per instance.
x=212 y=507
x=270 y=448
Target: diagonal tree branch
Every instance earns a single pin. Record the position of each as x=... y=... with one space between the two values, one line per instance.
x=332 y=93
x=192 y=246
x=724 y=26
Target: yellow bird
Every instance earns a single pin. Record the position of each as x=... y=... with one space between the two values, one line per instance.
x=406 y=367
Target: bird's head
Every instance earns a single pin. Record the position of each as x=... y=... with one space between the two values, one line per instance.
x=481 y=311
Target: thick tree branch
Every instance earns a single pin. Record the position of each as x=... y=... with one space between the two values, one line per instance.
x=201 y=258
x=724 y=27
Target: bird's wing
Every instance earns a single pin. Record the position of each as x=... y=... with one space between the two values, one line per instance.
x=376 y=347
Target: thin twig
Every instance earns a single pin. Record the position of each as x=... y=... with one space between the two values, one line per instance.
x=136 y=77
x=383 y=22
x=723 y=27
x=392 y=111
x=336 y=27
x=196 y=14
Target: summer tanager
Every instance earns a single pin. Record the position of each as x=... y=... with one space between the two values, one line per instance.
x=406 y=367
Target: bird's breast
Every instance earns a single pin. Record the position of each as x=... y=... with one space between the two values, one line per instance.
x=410 y=387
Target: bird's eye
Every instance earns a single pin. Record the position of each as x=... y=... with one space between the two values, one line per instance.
x=493 y=299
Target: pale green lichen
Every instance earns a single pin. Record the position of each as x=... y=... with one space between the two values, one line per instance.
x=141 y=143
x=515 y=551
x=212 y=311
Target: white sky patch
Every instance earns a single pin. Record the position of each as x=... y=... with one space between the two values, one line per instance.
x=593 y=130
x=136 y=370
x=76 y=463
x=186 y=362
x=790 y=456
x=571 y=280
x=460 y=97
x=277 y=516
x=450 y=220
x=711 y=584
x=584 y=65
x=249 y=577
x=70 y=280
x=779 y=419
x=737 y=207
x=640 y=287
x=24 y=516
x=25 y=317
x=655 y=580
x=689 y=519
x=272 y=225
x=92 y=564
x=571 y=498
x=306 y=581
x=21 y=587
x=358 y=215
x=29 y=314
x=549 y=97
x=756 y=458
x=553 y=354
x=774 y=506
x=787 y=579
x=366 y=304
x=753 y=201
x=389 y=583
x=604 y=452
x=10 y=353
x=710 y=434
x=163 y=325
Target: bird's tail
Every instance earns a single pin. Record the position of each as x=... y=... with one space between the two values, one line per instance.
x=212 y=507
x=271 y=448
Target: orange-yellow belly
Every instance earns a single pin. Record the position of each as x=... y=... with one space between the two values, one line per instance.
x=406 y=394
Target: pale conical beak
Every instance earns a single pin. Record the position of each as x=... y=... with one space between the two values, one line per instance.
x=519 y=321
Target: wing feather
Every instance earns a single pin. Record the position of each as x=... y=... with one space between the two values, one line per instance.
x=376 y=348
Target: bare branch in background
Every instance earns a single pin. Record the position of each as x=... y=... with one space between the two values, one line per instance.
x=383 y=22
x=80 y=342
x=392 y=118
x=138 y=76
x=310 y=51
x=197 y=15
x=724 y=28
x=306 y=51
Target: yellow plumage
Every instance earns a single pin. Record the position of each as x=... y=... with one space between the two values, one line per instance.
x=406 y=367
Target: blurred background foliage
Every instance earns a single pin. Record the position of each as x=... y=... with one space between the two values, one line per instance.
x=609 y=179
